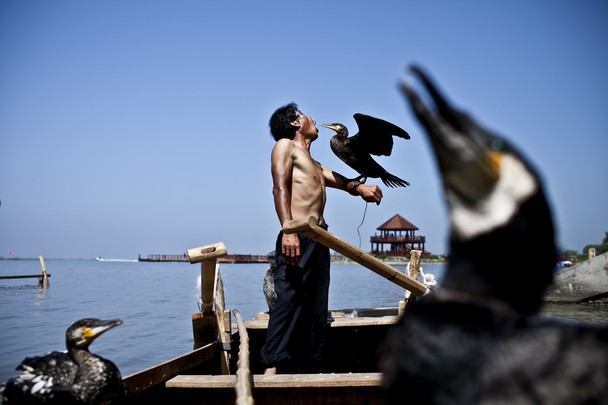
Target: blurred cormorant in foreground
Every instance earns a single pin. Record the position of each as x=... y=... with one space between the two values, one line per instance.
x=75 y=377
x=477 y=338
x=375 y=137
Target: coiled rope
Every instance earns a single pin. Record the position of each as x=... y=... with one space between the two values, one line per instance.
x=243 y=374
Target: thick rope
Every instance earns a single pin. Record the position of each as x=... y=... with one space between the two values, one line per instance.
x=243 y=374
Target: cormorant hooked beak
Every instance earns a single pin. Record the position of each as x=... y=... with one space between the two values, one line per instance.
x=96 y=328
x=484 y=179
x=469 y=157
x=334 y=127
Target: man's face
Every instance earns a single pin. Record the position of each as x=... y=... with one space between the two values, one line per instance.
x=307 y=125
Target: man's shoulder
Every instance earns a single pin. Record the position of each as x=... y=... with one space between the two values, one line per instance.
x=284 y=142
x=287 y=146
x=283 y=146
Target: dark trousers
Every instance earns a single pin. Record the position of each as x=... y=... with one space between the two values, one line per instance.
x=296 y=329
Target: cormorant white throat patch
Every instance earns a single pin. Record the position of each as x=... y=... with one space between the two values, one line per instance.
x=515 y=185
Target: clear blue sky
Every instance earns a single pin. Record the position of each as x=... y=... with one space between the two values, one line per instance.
x=140 y=127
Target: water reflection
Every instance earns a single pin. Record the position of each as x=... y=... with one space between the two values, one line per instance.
x=595 y=314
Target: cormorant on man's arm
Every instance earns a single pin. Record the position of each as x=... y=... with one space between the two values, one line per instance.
x=375 y=137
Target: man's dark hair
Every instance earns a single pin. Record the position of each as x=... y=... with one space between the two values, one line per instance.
x=280 y=122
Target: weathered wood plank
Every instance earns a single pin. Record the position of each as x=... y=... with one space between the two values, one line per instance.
x=205 y=253
x=336 y=322
x=157 y=374
x=312 y=230
x=279 y=381
x=24 y=276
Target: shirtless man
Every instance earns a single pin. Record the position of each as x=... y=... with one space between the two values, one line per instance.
x=298 y=318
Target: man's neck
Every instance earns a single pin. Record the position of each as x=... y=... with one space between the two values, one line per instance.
x=302 y=142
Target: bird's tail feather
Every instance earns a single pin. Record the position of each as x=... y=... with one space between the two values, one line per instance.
x=394 y=181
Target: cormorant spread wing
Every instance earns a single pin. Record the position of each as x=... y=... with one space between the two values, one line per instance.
x=375 y=137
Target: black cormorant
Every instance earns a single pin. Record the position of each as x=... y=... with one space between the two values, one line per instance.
x=268 y=283
x=375 y=137
x=477 y=338
x=73 y=377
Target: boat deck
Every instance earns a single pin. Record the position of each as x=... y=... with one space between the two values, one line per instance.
x=341 y=318
x=279 y=380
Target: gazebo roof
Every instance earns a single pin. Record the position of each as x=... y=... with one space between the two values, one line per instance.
x=397 y=223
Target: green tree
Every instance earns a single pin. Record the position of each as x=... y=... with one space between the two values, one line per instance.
x=599 y=249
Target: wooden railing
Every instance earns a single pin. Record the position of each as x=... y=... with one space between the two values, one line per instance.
x=398 y=239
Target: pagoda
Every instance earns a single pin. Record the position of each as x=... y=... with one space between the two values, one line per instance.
x=397 y=238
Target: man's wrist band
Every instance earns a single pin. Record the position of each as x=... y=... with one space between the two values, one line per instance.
x=357 y=184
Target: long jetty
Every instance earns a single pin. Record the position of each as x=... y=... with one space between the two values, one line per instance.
x=228 y=258
x=237 y=258
x=164 y=258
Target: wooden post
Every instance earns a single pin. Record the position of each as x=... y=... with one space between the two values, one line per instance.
x=44 y=277
x=413 y=270
x=312 y=230
x=210 y=325
x=208 y=272
x=207 y=256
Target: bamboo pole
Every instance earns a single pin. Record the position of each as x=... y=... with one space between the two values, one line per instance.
x=45 y=277
x=243 y=372
x=312 y=230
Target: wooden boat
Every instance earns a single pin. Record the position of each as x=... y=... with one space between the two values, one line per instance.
x=583 y=282
x=224 y=367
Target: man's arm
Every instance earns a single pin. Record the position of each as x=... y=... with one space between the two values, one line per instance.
x=371 y=193
x=282 y=171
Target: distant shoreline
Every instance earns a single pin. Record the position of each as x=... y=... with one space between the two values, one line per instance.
x=396 y=262
x=334 y=260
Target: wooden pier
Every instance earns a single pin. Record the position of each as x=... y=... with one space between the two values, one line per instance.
x=240 y=258
x=43 y=278
x=164 y=258
x=228 y=258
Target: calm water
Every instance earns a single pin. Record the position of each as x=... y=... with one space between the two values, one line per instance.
x=156 y=301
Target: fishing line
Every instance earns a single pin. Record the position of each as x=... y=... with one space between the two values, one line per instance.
x=362 y=220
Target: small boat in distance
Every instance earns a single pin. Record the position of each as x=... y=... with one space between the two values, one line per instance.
x=102 y=259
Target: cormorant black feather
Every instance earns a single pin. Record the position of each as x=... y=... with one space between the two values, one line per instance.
x=73 y=377
x=375 y=137
x=477 y=339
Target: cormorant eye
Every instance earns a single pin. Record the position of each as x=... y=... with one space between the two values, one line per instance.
x=498 y=145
